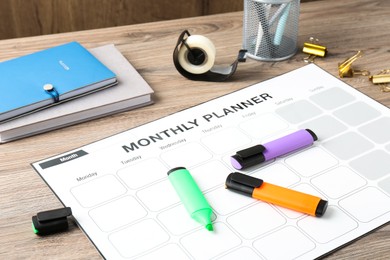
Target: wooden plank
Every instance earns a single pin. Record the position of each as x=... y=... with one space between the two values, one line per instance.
x=20 y=18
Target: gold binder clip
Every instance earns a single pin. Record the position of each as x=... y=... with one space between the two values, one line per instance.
x=382 y=79
x=346 y=70
x=314 y=50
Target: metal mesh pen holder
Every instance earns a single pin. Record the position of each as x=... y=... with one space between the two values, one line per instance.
x=270 y=29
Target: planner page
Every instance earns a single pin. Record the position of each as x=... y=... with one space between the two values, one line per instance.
x=122 y=199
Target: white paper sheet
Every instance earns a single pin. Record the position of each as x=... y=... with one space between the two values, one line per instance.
x=120 y=195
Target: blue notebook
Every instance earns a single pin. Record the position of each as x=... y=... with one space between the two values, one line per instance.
x=49 y=77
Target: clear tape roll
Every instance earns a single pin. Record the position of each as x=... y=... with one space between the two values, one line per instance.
x=199 y=45
x=194 y=57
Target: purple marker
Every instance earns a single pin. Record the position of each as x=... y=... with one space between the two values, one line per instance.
x=261 y=153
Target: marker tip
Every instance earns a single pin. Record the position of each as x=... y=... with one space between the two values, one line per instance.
x=209 y=227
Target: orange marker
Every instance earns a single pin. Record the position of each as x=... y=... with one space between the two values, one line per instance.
x=277 y=195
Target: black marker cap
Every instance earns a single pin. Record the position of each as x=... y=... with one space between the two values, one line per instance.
x=248 y=157
x=321 y=208
x=242 y=183
x=51 y=221
x=315 y=138
x=175 y=169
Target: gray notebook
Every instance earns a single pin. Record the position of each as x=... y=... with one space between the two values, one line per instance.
x=132 y=91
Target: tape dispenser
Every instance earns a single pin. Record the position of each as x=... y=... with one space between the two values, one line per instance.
x=194 y=57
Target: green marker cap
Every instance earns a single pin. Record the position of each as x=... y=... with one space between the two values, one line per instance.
x=191 y=196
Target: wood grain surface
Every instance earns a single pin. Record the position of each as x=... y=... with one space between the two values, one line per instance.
x=343 y=26
x=21 y=18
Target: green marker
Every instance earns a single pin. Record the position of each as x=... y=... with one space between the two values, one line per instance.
x=191 y=196
x=51 y=221
x=34 y=229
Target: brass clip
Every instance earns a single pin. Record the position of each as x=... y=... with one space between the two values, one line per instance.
x=346 y=70
x=313 y=49
x=382 y=79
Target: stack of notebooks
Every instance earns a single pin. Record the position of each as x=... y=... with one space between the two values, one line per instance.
x=65 y=85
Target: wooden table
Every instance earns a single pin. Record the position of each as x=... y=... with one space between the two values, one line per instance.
x=343 y=26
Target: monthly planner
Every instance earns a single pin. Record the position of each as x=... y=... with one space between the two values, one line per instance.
x=121 y=197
